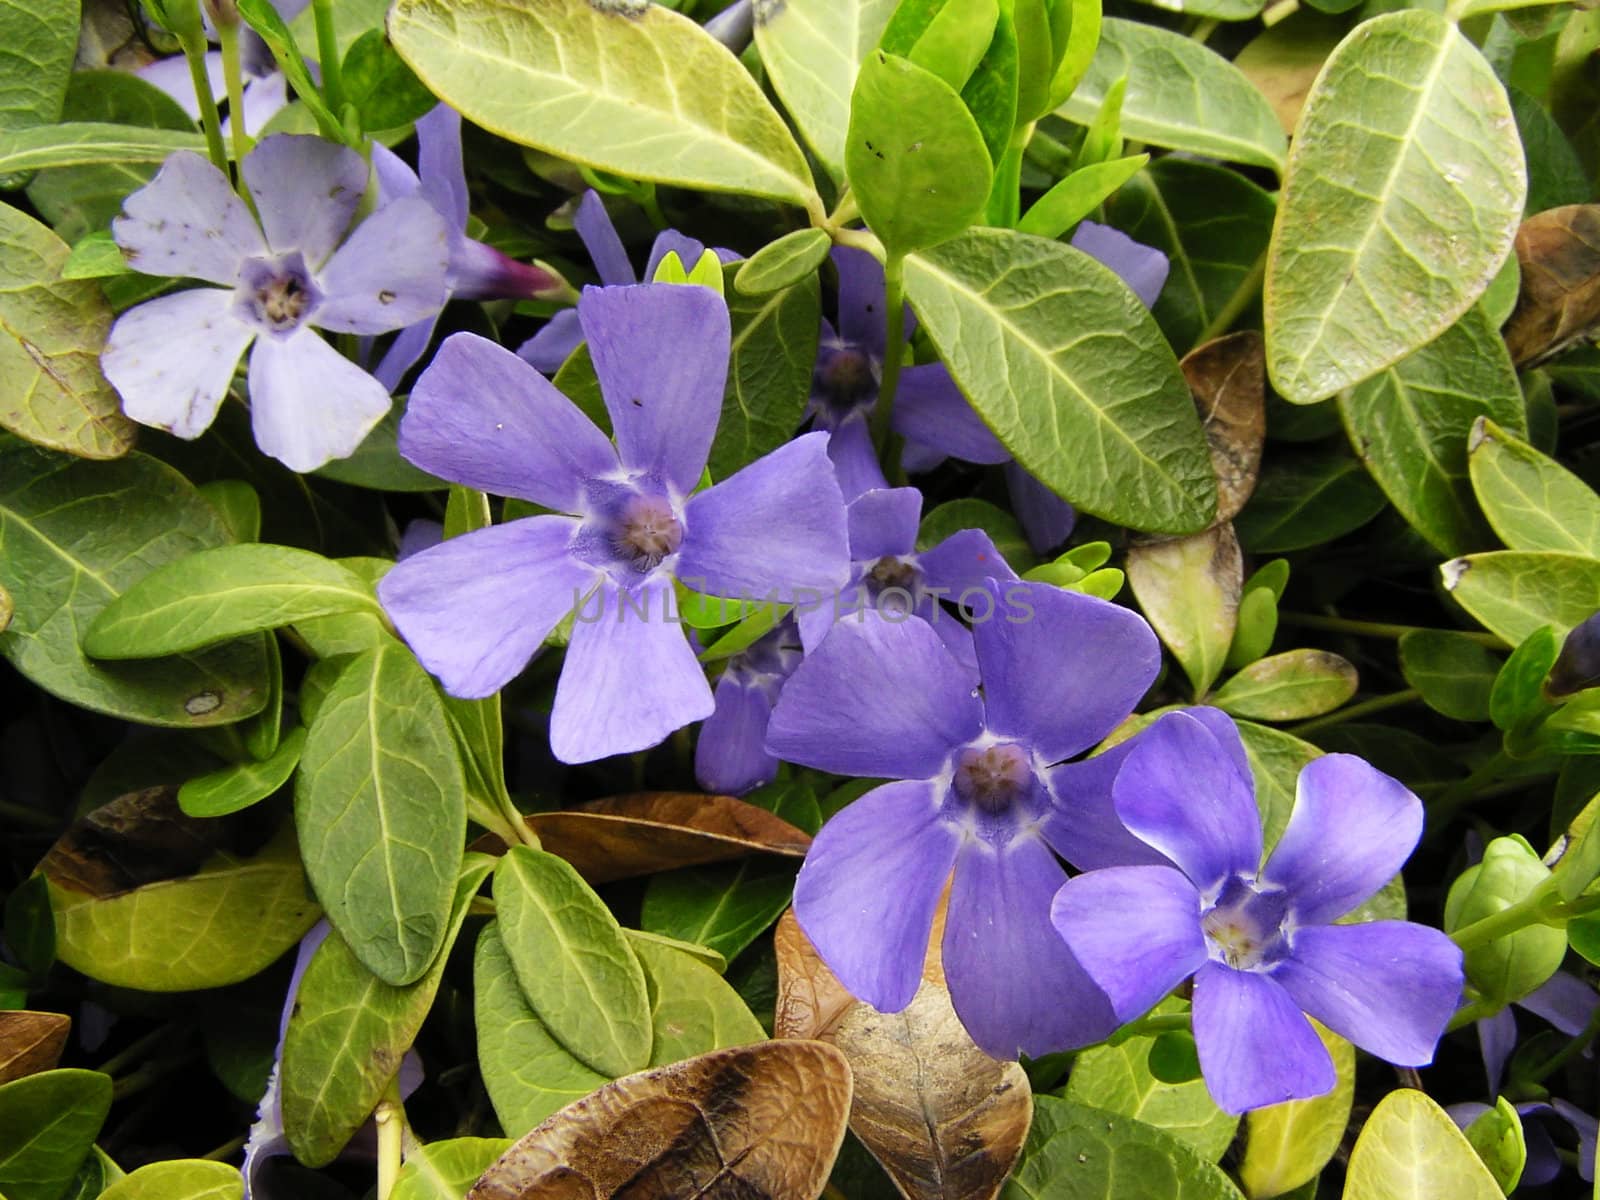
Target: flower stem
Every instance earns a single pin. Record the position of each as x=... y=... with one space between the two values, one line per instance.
x=390 y=1118
x=227 y=1150
x=1354 y=711
x=1375 y=629
x=194 y=49
x=1151 y=1026
x=1237 y=303
x=1533 y=909
x=328 y=57
x=228 y=36
x=1473 y=1010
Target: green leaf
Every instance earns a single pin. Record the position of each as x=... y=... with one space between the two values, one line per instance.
x=1075 y=1152
x=1255 y=628
x=692 y=1009
x=30 y=927
x=1180 y=95
x=216 y=595
x=87 y=143
x=1517 y=698
x=1189 y=591
x=723 y=906
x=1212 y=224
x=1276 y=760
x=782 y=263
x=1454 y=673
x=179 y=1179
x=1306 y=498
x=812 y=50
x=1498 y=1139
x=376 y=463
x=1411 y=1148
x=1409 y=425
x=626 y=87
x=1375 y=254
x=349 y=1030
x=40 y=37
x=1083 y=18
x=1533 y=502
x=351 y=19
x=381 y=808
x=773 y=351
x=261 y=16
x=1290 y=686
x=1078 y=195
x=51 y=333
x=528 y=1074
x=386 y=93
x=48 y=1123
x=1054 y=371
x=446 y=1170
x=916 y=159
x=953 y=43
x=239 y=506
x=95 y=256
x=1286 y=1145
x=224 y=923
x=969 y=512
x=574 y=964
x=62 y=570
x=241 y=785
x=1513 y=593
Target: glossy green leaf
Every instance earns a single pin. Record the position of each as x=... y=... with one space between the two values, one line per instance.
x=1054 y=372
x=239 y=506
x=87 y=143
x=1276 y=760
x=48 y=1123
x=179 y=1179
x=576 y=968
x=1083 y=19
x=1533 y=502
x=96 y=256
x=528 y=1074
x=51 y=332
x=381 y=809
x=1403 y=193
x=1453 y=672
x=692 y=1008
x=1410 y=1149
x=1409 y=425
x=991 y=94
x=386 y=93
x=1497 y=1137
x=1181 y=95
x=626 y=87
x=812 y=50
x=243 y=784
x=917 y=162
x=1189 y=591
x=1512 y=593
x=1290 y=686
x=1286 y=1145
x=1075 y=1152
x=222 y=924
x=1307 y=498
x=782 y=263
x=969 y=512
x=97 y=1173
x=1079 y=195
x=1516 y=698
x=723 y=906
x=40 y=38
x=61 y=571
x=215 y=595
x=1255 y=628
x=349 y=1031
x=446 y=1170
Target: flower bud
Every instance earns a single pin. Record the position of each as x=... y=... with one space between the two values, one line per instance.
x=1578 y=665
x=1509 y=967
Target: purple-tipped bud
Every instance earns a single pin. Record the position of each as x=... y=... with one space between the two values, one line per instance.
x=1578 y=665
x=480 y=272
x=734 y=25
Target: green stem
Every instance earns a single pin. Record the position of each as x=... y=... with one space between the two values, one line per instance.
x=1564 y=1055
x=1533 y=909
x=1473 y=1010
x=1237 y=303
x=194 y=49
x=894 y=307
x=228 y=36
x=1151 y=1026
x=1375 y=629
x=846 y=210
x=136 y=1051
x=652 y=208
x=328 y=56
x=1203 y=30
x=390 y=1118
x=227 y=1150
x=1354 y=711
x=1443 y=807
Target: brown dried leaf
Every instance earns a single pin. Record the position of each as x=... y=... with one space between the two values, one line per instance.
x=1559 y=251
x=31 y=1042
x=760 y=1122
x=139 y=838
x=1228 y=378
x=810 y=999
x=646 y=832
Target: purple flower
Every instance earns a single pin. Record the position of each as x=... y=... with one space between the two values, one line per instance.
x=477 y=271
x=1564 y=1000
x=731 y=756
x=172 y=359
x=1544 y=1160
x=974 y=794
x=1260 y=940
x=476 y=608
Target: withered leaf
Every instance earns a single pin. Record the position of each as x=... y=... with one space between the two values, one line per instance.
x=646 y=832
x=760 y=1122
x=1559 y=252
x=1228 y=378
x=31 y=1042
x=139 y=838
x=810 y=999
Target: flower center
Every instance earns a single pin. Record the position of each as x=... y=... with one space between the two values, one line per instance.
x=844 y=380
x=276 y=295
x=1244 y=928
x=890 y=572
x=646 y=531
x=993 y=778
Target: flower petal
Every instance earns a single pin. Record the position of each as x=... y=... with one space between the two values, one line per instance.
x=964 y=562
x=861 y=300
x=172 y=76
x=599 y=237
x=188 y=222
x=929 y=408
x=444 y=178
x=731 y=755
x=661 y=354
x=306 y=190
x=308 y=403
x=171 y=359
x=854 y=460
x=1046 y=518
x=876 y=698
x=409 y=345
x=630 y=677
x=1181 y=791
x=1135 y=930
x=1013 y=981
x=476 y=608
x=546 y=350
x=1390 y=987
x=883 y=521
x=1060 y=669
x=1256 y=1047
x=390 y=273
x=263 y=97
x=1497 y=1038
x=481 y=416
x=1564 y=1000
x=1352 y=829
x=867 y=892
x=1143 y=268
x=775 y=528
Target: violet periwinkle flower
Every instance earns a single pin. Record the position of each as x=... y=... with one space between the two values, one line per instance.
x=476 y=608
x=1564 y=1000
x=731 y=756
x=973 y=760
x=172 y=358
x=1260 y=940
x=477 y=271
x=1544 y=1160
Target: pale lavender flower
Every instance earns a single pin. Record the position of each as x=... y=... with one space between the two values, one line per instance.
x=731 y=757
